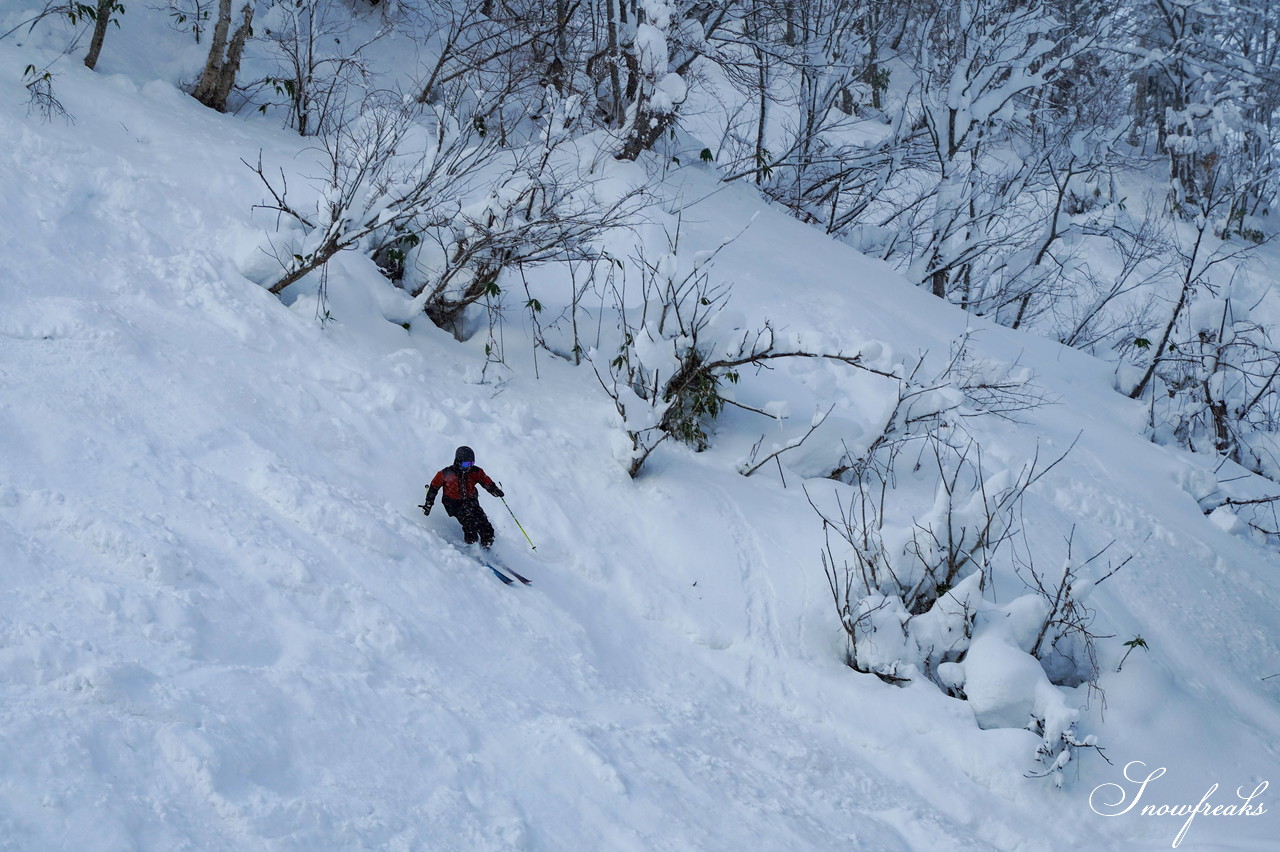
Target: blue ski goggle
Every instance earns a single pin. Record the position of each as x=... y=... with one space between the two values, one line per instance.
x=465 y=465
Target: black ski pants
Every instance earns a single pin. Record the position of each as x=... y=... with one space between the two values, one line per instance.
x=475 y=523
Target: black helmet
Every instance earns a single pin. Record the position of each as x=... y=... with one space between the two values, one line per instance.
x=464 y=454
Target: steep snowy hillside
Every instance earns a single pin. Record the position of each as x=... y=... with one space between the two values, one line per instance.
x=225 y=624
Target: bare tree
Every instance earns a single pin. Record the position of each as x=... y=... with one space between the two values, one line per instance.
x=669 y=39
x=1196 y=257
x=319 y=63
x=370 y=188
x=456 y=215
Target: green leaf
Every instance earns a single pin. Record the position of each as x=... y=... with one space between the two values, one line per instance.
x=1142 y=343
x=707 y=156
x=762 y=163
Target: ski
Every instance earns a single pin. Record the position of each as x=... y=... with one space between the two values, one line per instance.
x=505 y=572
x=503 y=577
x=501 y=573
x=518 y=575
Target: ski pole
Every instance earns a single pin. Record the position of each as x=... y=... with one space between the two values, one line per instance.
x=517 y=520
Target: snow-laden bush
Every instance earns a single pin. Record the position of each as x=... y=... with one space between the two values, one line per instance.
x=908 y=590
x=441 y=206
x=910 y=559
x=1219 y=383
x=676 y=350
x=1208 y=366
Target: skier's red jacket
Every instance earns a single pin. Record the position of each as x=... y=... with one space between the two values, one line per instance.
x=460 y=483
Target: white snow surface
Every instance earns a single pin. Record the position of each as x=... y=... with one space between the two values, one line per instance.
x=224 y=624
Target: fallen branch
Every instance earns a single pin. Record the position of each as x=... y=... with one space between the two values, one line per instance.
x=790 y=445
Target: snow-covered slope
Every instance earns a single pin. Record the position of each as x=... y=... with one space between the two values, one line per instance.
x=224 y=624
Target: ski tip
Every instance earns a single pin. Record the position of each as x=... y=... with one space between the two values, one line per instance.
x=512 y=572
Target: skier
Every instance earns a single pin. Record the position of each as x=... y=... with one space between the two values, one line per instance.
x=461 y=500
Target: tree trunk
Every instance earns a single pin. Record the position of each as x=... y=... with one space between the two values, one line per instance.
x=939 y=283
x=219 y=77
x=100 y=21
x=615 y=58
x=648 y=128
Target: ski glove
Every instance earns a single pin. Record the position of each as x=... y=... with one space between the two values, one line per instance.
x=426 y=508
x=498 y=492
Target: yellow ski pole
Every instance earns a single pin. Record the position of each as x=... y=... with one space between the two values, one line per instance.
x=517 y=520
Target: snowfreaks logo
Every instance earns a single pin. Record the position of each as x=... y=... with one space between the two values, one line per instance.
x=1110 y=800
